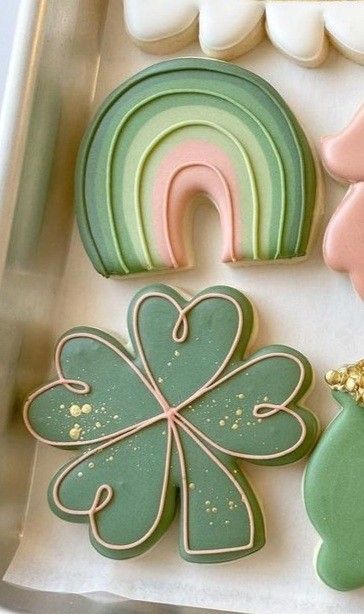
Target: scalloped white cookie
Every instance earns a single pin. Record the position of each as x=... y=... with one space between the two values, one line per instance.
x=300 y=29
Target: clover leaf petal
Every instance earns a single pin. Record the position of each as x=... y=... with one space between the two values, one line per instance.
x=251 y=410
x=220 y=516
x=213 y=335
x=105 y=394
x=122 y=488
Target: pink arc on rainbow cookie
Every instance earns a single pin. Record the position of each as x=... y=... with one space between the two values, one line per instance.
x=343 y=247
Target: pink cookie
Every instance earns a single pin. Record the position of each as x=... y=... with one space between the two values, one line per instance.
x=344 y=239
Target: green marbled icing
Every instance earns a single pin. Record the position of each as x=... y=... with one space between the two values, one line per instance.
x=217 y=516
x=154 y=101
x=334 y=496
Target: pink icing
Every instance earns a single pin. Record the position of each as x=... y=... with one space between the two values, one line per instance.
x=192 y=168
x=344 y=239
x=343 y=153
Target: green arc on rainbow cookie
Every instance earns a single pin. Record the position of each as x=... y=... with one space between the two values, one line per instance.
x=181 y=128
x=156 y=431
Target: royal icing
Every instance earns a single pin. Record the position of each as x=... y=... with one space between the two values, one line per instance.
x=344 y=239
x=333 y=484
x=181 y=128
x=154 y=429
x=227 y=29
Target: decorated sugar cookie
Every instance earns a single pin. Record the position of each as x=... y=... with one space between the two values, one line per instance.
x=344 y=239
x=167 y=425
x=334 y=487
x=185 y=127
x=230 y=28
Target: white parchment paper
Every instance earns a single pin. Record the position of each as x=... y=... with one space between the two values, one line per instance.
x=303 y=305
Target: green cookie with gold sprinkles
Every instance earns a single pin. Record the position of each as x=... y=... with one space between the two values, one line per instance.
x=167 y=426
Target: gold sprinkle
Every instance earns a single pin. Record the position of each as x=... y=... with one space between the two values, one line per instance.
x=98 y=424
x=208 y=510
x=234 y=426
x=207 y=502
x=239 y=412
x=349 y=378
x=86 y=408
x=222 y=422
x=240 y=396
x=211 y=523
x=176 y=353
x=91 y=465
x=116 y=417
x=61 y=406
x=214 y=510
x=169 y=364
x=333 y=377
x=80 y=474
x=192 y=486
x=350 y=384
x=160 y=380
x=259 y=419
x=75 y=432
x=227 y=521
x=75 y=410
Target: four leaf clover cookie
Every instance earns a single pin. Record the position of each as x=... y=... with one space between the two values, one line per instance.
x=165 y=426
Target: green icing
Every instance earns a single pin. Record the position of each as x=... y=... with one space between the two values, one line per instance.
x=334 y=496
x=106 y=178
x=138 y=464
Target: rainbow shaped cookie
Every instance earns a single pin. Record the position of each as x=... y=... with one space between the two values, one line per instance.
x=185 y=127
x=156 y=432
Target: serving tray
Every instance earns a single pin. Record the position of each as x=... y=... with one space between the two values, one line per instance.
x=69 y=56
